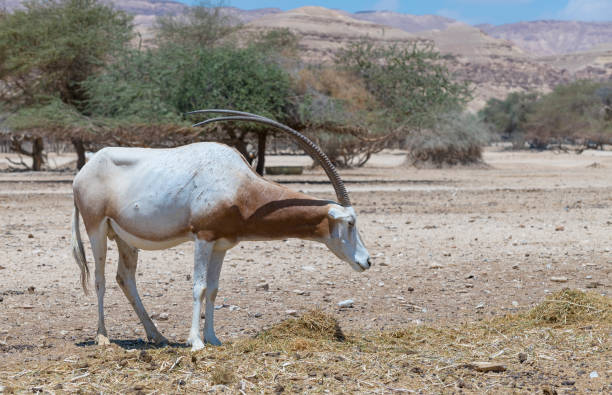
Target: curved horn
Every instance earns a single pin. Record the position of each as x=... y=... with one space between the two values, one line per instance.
x=304 y=142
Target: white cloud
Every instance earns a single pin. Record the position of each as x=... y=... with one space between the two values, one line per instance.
x=389 y=5
x=588 y=10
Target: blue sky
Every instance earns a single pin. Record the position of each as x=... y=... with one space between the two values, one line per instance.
x=471 y=11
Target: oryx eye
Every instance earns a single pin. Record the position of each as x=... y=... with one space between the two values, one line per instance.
x=351 y=223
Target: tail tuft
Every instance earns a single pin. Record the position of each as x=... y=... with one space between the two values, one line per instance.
x=77 y=250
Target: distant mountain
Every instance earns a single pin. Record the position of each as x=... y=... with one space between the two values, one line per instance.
x=323 y=31
x=406 y=22
x=245 y=16
x=553 y=37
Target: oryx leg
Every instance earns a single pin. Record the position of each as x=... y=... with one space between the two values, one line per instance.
x=207 y=268
x=97 y=238
x=126 y=278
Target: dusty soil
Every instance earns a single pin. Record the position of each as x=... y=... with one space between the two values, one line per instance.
x=449 y=247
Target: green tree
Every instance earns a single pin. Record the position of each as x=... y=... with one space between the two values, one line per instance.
x=506 y=118
x=411 y=84
x=51 y=46
x=202 y=25
x=573 y=112
x=160 y=85
x=47 y=50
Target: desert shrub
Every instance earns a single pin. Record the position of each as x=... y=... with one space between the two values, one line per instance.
x=454 y=139
x=506 y=118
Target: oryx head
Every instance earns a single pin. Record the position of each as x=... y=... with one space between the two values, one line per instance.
x=343 y=239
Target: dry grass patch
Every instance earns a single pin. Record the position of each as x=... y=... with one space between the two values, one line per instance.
x=310 y=354
x=572 y=307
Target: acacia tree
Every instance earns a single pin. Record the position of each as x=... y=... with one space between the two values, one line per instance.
x=50 y=47
x=411 y=86
x=575 y=112
x=160 y=85
x=506 y=118
x=202 y=25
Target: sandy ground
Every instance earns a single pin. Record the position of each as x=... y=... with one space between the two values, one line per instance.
x=449 y=246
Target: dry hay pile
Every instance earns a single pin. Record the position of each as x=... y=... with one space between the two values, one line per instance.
x=572 y=307
x=521 y=353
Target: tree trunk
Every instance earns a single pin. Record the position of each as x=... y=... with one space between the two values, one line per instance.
x=37 y=153
x=261 y=152
x=80 y=151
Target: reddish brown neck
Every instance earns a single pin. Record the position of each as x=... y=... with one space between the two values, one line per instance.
x=270 y=211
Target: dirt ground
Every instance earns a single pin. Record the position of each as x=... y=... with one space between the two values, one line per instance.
x=449 y=247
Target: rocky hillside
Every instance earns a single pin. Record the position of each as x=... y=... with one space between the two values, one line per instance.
x=553 y=37
x=406 y=22
x=495 y=66
x=323 y=31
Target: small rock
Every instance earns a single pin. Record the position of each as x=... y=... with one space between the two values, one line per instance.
x=234 y=308
x=568 y=382
x=218 y=307
x=549 y=390
x=522 y=357
x=487 y=366
x=515 y=267
x=381 y=284
x=593 y=375
x=272 y=354
x=30 y=236
x=410 y=289
x=560 y=228
x=558 y=279
x=515 y=303
x=262 y=287
x=435 y=265
x=299 y=292
x=480 y=306
x=2 y=267
x=257 y=315
x=63 y=333
x=163 y=317
x=219 y=388
x=382 y=264
x=292 y=313
x=188 y=277
x=1 y=298
x=31 y=289
x=346 y=303
x=308 y=268
x=593 y=284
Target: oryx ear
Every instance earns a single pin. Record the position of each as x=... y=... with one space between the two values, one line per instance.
x=337 y=213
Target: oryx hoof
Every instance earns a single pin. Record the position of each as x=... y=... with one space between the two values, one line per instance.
x=159 y=340
x=196 y=344
x=102 y=340
x=212 y=340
